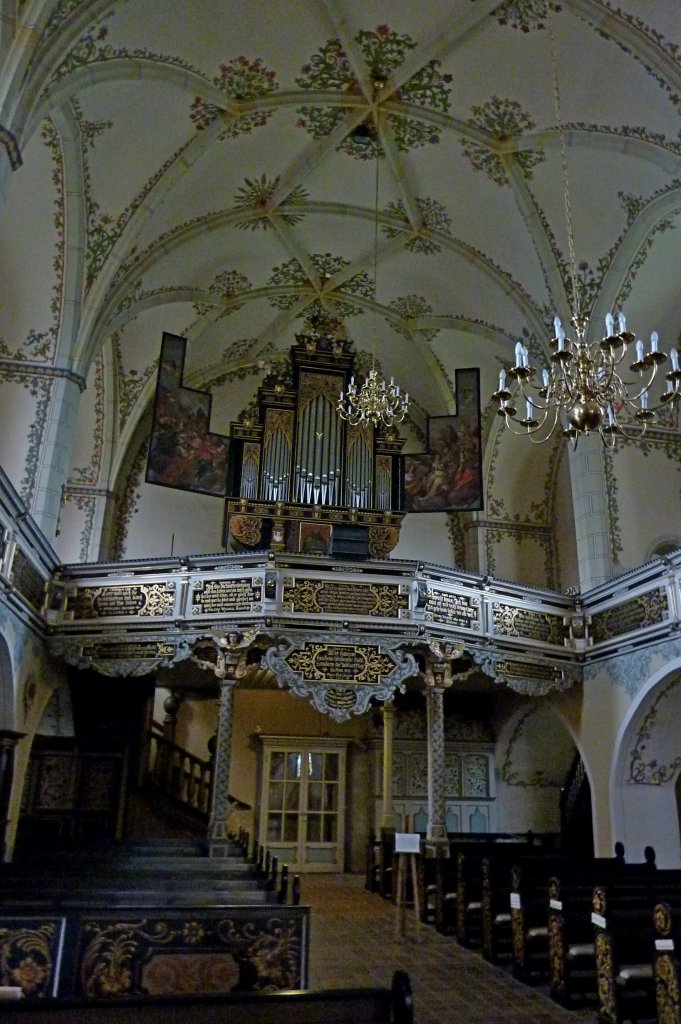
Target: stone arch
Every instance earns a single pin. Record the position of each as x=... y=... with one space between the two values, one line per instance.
x=662 y=546
x=6 y=687
x=646 y=767
x=532 y=769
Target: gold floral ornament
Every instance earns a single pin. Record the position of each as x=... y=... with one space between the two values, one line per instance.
x=27 y=958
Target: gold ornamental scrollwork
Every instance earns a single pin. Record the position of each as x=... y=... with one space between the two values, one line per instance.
x=336 y=662
x=112 y=958
x=649 y=609
x=382 y=540
x=666 y=988
x=527 y=624
x=137 y=599
x=160 y=598
x=336 y=598
x=246 y=529
x=28 y=957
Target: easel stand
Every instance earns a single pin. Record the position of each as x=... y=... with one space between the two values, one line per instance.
x=401 y=894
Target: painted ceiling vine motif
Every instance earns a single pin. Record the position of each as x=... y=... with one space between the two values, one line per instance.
x=257 y=194
x=131 y=383
x=651 y=772
x=292 y=273
x=237 y=350
x=433 y=215
x=90 y=49
x=526 y=14
x=103 y=230
x=588 y=279
x=61 y=12
x=41 y=346
x=412 y=307
x=228 y=284
x=90 y=474
x=240 y=79
x=502 y=119
x=384 y=50
x=666 y=48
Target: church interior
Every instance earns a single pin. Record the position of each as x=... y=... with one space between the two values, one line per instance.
x=339 y=366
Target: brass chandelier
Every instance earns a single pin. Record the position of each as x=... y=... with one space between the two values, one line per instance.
x=374 y=401
x=585 y=390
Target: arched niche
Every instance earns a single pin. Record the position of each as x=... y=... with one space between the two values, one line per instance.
x=6 y=687
x=646 y=769
x=535 y=753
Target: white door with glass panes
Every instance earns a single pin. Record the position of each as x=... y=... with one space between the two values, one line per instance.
x=302 y=802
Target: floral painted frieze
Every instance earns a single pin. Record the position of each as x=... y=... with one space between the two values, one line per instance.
x=526 y=15
x=228 y=285
x=412 y=307
x=433 y=215
x=384 y=51
x=91 y=49
x=240 y=79
x=40 y=346
x=500 y=118
x=257 y=195
x=666 y=50
x=644 y=770
x=90 y=474
x=292 y=273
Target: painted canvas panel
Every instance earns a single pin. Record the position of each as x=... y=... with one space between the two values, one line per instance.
x=448 y=476
x=183 y=453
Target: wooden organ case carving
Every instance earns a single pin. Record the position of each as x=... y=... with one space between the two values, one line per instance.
x=302 y=478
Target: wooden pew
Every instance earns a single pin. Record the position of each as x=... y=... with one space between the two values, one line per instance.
x=99 y=951
x=572 y=960
x=393 y=1005
x=624 y=935
x=666 y=967
x=453 y=893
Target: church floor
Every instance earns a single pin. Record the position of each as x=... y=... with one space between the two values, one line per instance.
x=352 y=942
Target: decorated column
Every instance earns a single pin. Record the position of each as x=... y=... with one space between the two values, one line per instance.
x=223 y=756
x=438 y=678
x=225 y=655
x=387 y=815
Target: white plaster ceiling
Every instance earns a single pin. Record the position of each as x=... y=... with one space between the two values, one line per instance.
x=211 y=175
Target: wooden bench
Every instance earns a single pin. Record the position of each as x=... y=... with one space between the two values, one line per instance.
x=392 y=1005
x=666 y=967
x=457 y=895
x=572 y=959
x=96 y=950
x=624 y=936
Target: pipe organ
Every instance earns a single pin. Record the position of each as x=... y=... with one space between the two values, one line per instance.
x=299 y=473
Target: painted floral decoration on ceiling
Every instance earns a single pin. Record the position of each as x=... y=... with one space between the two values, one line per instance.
x=227 y=285
x=412 y=307
x=241 y=79
x=501 y=119
x=292 y=273
x=432 y=214
x=384 y=50
x=257 y=195
x=526 y=14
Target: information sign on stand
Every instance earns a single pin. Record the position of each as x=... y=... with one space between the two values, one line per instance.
x=407 y=845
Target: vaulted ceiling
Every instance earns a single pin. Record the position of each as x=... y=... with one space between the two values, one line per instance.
x=208 y=167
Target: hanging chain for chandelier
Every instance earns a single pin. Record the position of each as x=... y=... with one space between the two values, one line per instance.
x=584 y=391
x=374 y=401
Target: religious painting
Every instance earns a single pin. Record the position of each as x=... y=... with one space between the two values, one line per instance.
x=315 y=539
x=183 y=453
x=448 y=476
